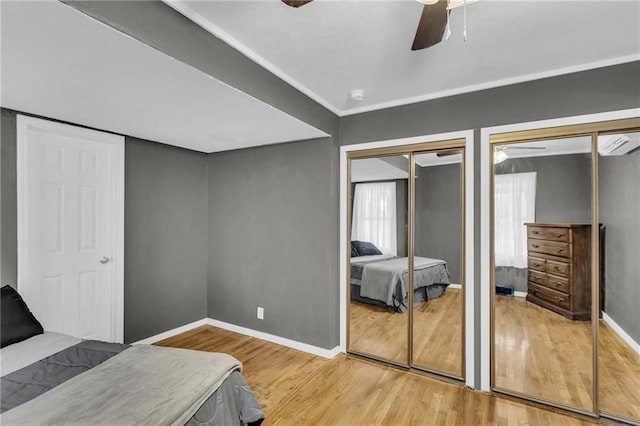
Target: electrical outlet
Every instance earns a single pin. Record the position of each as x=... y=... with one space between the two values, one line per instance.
x=260 y=313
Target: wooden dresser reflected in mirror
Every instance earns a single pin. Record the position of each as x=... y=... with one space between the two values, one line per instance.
x=559 y=268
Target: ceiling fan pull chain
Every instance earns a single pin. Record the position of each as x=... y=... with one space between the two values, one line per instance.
x=464 y=33
x=448 y=33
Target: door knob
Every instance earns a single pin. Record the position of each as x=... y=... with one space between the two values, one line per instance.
x=104 y=260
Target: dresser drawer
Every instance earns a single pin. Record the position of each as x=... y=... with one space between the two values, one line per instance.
x=554 y=248
x=537 y=277
x=557 y=283
x=555 y=297
x=558 y=268
x=537 y=264
x=547 y=233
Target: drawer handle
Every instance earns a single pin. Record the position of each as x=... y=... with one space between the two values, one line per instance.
x=536 y=264
x=535 y=232
x=559 y=250
x=535 y=245
x=558 y=235
x=559 y=299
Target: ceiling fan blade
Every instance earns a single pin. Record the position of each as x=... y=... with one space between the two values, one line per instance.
x=432 y=24
x=448 y=153
x=296 y=3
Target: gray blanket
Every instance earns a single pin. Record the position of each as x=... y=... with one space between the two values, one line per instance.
x=143 y=384
x=386 y=280
x=27 y=383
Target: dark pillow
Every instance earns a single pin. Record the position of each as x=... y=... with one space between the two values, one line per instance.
x=17 y=321
x=354 y=252
x=365 y=248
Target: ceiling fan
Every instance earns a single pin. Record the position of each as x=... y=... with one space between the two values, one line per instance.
x=433 y=21
x=499 y=154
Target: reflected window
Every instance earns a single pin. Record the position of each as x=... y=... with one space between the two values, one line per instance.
x=515 y=205
x=374 y=215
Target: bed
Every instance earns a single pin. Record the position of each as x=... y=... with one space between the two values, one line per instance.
x=382 y=279
x=52 y=378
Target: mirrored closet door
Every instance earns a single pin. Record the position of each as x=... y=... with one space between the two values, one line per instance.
x=543 y=344
x=565 y=269
x=438 y=240
x=378 y=320
x=619 y=329
x=405 y=213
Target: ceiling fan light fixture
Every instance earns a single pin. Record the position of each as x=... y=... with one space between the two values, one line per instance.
x=459 y=3
x=499 y=157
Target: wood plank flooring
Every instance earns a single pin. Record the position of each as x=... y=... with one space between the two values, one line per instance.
x=619 y=375
x=298 y=388
x=437 y=335
x=541 y=353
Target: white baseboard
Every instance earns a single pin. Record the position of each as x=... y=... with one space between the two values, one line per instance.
x=304 y=347
x=294 y=344
x=620 y=332
x=171 y=333
x=459 y=286
x=520 y=294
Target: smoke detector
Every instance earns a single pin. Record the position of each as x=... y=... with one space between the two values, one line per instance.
x=356 y=95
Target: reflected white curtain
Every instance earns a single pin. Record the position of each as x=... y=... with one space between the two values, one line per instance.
x=514 y=205
x=374 y=215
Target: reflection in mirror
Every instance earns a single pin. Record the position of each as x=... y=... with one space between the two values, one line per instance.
x=619 y=332
x=378 y=319
x=542 y=270
x=438 y=262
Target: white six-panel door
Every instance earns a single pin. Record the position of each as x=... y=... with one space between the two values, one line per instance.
x=70 y=227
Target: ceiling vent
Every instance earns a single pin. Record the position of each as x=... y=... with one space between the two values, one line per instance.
x=616 y=145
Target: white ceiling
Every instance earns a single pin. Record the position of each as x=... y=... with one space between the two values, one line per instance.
x=327 y=48
x=59 y=63
x=371 y=169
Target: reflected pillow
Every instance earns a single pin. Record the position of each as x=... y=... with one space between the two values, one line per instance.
x=354 y=252
x=365 y=248
x=17 y=321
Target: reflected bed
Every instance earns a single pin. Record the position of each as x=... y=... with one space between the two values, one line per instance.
x=382 y=280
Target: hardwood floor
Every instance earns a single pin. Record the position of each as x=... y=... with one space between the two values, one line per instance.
x=541 y=353
x=437 y=336
x=298 y=388
x=619 y=375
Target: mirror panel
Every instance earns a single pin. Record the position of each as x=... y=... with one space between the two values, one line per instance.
x=438 y=262
x=619 y=327
x=542 y=214
x=378 y=318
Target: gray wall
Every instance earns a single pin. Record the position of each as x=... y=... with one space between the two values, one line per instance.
x=619 y=209
x=165 y=232
x=272 y=240
x=8 y=200
x=563 y=186
x=439 y=215
x=165 y=238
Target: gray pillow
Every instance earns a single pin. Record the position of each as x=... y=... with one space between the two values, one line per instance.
x=365 y=248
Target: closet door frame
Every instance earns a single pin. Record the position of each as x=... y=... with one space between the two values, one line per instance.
x=462 y=139
x=589 y=125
